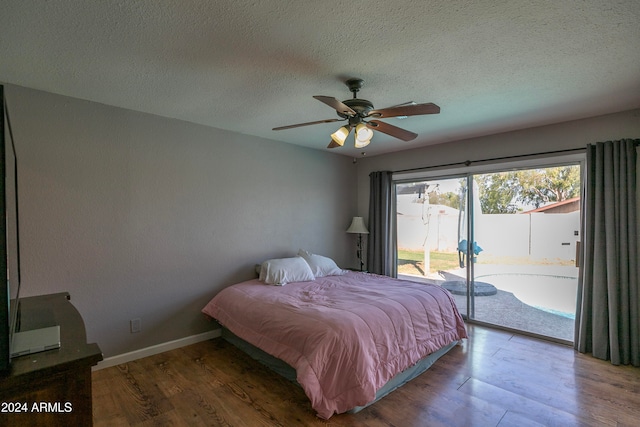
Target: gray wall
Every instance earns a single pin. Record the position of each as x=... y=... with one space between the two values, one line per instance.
x=137 y=215
x=562 y=136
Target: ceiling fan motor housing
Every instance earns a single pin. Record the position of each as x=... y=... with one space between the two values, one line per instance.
x=360 y=106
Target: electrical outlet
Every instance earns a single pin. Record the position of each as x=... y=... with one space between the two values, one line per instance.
x=135 y=325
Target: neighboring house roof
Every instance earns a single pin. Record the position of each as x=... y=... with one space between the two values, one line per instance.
x=569 y=205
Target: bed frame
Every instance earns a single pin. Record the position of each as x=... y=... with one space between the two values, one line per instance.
x=282 y=368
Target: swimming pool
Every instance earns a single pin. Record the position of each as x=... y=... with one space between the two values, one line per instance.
x=552 y=293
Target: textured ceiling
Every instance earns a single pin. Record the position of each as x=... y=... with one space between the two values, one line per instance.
x=248 y=66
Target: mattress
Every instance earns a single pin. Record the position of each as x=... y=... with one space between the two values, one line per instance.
x=288 y=372
x=346 y=336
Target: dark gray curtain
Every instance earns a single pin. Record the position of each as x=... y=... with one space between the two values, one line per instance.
x=381 y=258
x=608 y=312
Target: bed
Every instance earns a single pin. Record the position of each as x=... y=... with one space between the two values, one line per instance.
x=350 y=337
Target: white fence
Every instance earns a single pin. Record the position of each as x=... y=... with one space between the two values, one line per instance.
x=538 y=235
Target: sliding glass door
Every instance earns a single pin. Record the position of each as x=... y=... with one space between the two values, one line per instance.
x=430 y=224
x=503 y=243
x=527 y=225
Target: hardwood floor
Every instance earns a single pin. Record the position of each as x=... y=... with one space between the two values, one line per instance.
x=495 y=378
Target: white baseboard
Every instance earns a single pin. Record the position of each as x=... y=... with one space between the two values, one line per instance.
x=156 y=349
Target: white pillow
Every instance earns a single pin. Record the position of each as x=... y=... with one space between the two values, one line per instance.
x=320 y=265
x=281 y=271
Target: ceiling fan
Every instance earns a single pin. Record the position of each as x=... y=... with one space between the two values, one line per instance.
x=356 y=110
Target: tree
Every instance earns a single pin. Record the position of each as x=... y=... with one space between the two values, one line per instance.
x=508 y=192
x=498 y=192
x=447 y=199
x=542 y=186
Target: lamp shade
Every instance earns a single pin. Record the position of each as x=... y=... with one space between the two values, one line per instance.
x=362 y=144
x=340 y=135
x=357 y=226
x=363 y=135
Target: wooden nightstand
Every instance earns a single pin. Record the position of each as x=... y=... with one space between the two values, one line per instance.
x=53 y=387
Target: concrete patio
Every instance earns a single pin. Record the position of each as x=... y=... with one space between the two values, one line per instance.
x=504 y=309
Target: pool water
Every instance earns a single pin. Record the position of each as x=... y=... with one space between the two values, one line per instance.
x=554 y=294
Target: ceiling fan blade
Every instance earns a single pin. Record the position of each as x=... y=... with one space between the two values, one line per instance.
x=404 y=104
x=392 y=130
x=333 y=144
x=406 y=110
x=335 y=104
x=317 y=122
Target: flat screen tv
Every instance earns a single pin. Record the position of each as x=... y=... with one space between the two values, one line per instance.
x=9 y=243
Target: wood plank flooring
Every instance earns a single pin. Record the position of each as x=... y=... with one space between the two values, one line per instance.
x=495 y=378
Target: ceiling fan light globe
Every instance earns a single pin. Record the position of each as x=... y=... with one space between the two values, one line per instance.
x=363 y=133
x=362 y=144
x=340 y=135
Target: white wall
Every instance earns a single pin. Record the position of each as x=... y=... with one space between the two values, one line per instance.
x=539 y=235
x=140 y=216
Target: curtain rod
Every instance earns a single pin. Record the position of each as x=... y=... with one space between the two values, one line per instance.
x=470 y=162
x=520 y=156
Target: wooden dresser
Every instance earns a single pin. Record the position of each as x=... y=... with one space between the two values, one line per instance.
x=53 y=387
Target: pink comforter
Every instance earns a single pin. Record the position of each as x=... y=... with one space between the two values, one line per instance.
x=346 y=336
